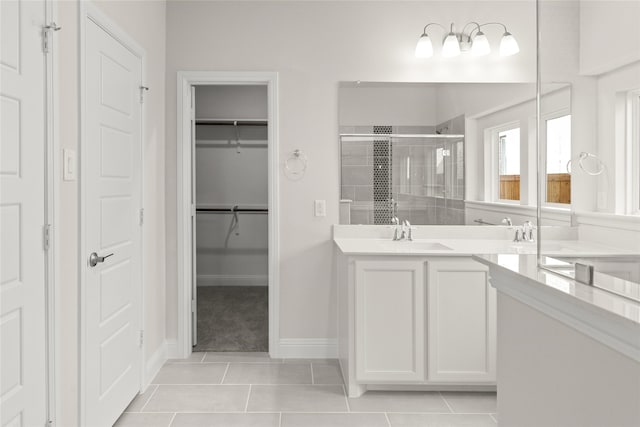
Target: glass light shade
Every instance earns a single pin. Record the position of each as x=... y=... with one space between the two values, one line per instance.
x=508 y=45
x=424 y=48
x=451 y=46
x=480 y=45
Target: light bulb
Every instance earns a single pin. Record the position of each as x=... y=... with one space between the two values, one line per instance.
x=480 y=45
x=450 y=47
x=424 y=48
x=508 y=45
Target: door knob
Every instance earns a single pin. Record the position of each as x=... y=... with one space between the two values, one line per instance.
x=94 y=259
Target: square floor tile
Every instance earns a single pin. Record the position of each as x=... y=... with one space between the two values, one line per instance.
x=140 y=400
x=239 y=357
x=471 y=403
x=326 y=374
x=399 y=401
x=226 y=420
x=195 y=357
x=297 y=398
x=191 y=373
x=334 y=420
x=268 y=373
x=141 y=419
x=198 y=398
x=441 y=420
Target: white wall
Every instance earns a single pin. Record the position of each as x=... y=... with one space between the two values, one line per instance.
x=231 y=102
x=151 y=36
x=612 y=136
x=399 y=104
x=313 y=46
x=609 y=36
x=473 y=99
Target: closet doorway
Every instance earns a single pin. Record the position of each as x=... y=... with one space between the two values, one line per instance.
x=231 y=251
x=231 y=227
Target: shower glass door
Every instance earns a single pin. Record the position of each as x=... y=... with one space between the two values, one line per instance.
x=414 y=177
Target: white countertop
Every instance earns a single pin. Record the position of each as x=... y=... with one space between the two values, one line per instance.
x=600 y=314
x=468 y=247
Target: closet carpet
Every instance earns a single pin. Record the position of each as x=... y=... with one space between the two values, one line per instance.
x=233 y=318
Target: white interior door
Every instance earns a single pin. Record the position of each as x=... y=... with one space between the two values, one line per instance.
x=111 y=223
x=22 y=214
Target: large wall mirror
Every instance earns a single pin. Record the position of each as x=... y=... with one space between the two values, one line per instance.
x=448 y=153
x=603 y=146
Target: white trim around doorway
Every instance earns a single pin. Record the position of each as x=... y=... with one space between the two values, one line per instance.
x=186 y=79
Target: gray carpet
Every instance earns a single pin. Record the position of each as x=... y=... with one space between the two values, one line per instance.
x=233 y=318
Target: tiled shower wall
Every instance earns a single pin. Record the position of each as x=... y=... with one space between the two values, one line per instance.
x=366 y=181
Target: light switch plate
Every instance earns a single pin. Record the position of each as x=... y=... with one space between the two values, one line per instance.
x=69 y=165
x=320 y=207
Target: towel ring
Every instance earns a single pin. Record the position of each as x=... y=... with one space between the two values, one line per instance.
x=296 y=164
x=581 y=158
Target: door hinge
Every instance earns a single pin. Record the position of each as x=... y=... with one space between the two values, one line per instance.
x=193 y=210
x=193 y=306
x=141 y=216
x=141 y=338
x=45 y=35
x=143 y=89
x=46 y=236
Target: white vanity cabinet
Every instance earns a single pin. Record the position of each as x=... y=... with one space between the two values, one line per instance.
x=415 y=322
x=390 y=316
x=461 y=323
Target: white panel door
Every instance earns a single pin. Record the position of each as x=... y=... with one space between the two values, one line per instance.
x=390 y=321
x=22 y=214
x=112 y=201
x=461 y=322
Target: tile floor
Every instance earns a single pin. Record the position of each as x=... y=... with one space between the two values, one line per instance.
x=250 y=389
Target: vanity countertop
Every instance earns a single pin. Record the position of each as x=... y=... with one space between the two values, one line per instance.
x=472 y=246
x=601 y=314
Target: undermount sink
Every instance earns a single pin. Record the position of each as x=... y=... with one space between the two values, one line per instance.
x=429 y=246
x=409 y=246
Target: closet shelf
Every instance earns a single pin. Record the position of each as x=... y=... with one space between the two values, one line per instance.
x=231 y=122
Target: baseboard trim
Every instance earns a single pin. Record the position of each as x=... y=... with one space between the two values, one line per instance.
x=308 y=348
x=172 y=349
x=232 y=280
x=154 y=364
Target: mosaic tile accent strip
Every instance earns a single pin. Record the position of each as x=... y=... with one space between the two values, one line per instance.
x=382 y=158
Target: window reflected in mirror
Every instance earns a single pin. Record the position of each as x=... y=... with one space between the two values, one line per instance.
x=558 y=147
x=509 y=163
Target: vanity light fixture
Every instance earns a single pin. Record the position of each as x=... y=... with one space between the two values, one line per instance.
x=475 y=41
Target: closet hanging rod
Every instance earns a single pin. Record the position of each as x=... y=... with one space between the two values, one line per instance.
x=219 y=122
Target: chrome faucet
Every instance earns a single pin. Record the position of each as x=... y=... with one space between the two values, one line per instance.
x=527 y=231
x=402 y=231
x=524 y=233
x=506 y=220
x=519 y=232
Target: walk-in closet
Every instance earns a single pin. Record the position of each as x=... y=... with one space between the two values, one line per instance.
x=231 y=218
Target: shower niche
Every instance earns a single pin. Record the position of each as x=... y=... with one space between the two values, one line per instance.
x=414 y=173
